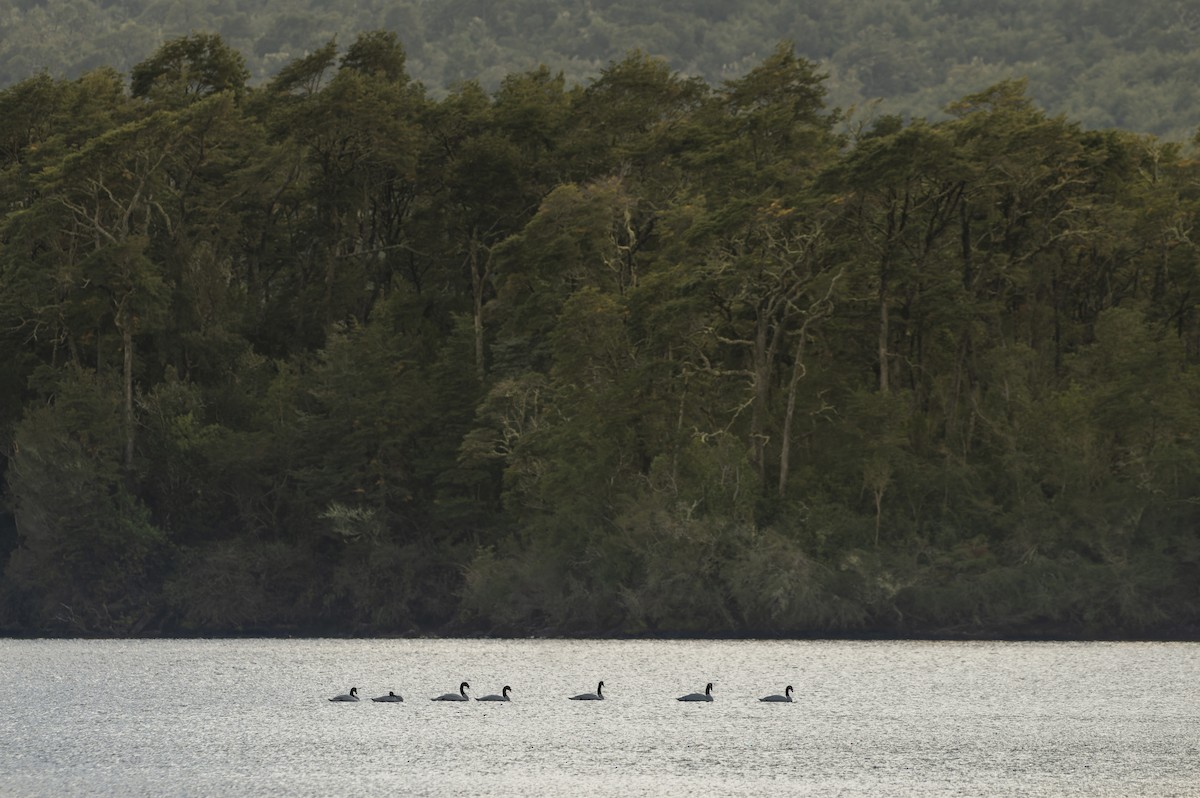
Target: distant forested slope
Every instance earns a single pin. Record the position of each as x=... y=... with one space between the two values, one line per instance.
x=1106 y=63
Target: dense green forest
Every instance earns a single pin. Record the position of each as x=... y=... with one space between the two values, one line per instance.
x=646 y=355
x=1103 y=63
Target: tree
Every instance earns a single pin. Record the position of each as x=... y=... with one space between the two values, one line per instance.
x=189 y=68
x=87 y=555
x=349 y=185
x=308 y=75
x=377 y=54
x=901 y=192
x=771 y=282
x=773 y=127
x=630 y=119
x=109 y=197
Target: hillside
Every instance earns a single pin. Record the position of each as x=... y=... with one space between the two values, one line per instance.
x=1105 y=63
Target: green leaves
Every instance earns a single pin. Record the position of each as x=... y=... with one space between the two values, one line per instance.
x=377 y=54
x=190 y=67
x=88 y=548
x=646 y=355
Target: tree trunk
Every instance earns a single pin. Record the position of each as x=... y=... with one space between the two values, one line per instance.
x=878 y=511
x=479 y=278
x=883 y=327
x=127 y=377
x=785 y=445
x=760 y=405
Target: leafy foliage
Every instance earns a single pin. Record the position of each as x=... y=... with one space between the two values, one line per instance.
x=649 y=355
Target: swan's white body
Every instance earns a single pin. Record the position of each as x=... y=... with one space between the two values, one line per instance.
x=350 y=696
x=502 y=697
x=705 y=696
x=785 y=698
x=461 y=695
x=596 y=696
x=390 y=697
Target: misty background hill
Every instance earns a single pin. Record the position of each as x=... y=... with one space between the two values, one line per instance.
x=1104 y=63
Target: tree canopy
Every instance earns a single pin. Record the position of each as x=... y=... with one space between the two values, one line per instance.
x=647 y=354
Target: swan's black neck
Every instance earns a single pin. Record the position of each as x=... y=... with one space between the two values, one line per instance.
x=708 y=689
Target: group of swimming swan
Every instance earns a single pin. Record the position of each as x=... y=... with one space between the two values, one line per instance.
x=461 y=695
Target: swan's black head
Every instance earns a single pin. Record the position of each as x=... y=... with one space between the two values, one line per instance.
x=708 y=689
x=391 y=693
x=462 y=688
x=506 y=690
x=599 y=687
x=354 y=691
x=788 y=691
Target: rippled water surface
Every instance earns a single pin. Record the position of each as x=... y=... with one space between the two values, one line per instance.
x=250 y=717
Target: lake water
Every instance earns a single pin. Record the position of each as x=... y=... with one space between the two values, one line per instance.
x=250 y=717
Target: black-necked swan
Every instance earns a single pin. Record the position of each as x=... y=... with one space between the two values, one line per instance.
x=502 y=697
x=350 y=696
x=787 y=696
x=596 y=696
x=705 y=696
x=389 y=697
x=461 y=695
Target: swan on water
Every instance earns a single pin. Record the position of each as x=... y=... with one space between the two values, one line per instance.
x=389 y=697
x=350 y=696
x=502 y=697
x=596 y=696
x=461 y=695
x=705 y=696
x=787 y=696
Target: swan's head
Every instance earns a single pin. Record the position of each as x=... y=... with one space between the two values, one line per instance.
x=354 y=692
x=708 y=689
x=788 y=691
x=505 y=691
x=462 y=688
x=390 y=693
x=599 y=687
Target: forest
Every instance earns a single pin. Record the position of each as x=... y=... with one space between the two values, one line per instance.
x=1103 y=63
x=645 y=355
